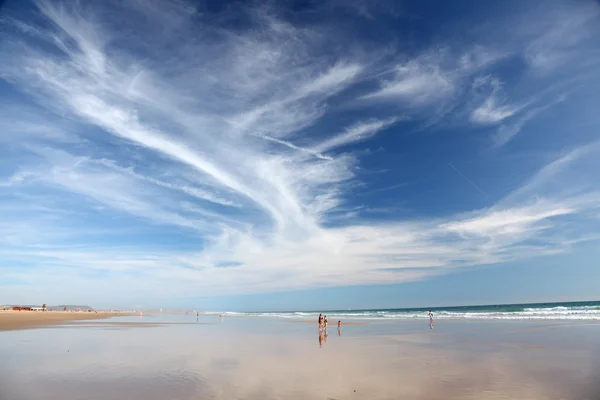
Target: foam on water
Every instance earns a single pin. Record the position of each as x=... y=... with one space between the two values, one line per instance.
x=573 y=311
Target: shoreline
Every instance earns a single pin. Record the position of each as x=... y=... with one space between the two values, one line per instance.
x=18 y=320
x=330 y=326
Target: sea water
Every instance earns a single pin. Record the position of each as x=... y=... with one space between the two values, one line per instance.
x=535 y=311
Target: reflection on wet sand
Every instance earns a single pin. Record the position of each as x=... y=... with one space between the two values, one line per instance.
x=243 y=359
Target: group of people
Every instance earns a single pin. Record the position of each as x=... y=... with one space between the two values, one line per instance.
x=323 y=322
x=323 y=329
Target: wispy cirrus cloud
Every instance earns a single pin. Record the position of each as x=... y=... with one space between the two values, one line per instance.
x=434 y=76
x=507 y=131
x=418 y=82
x=355 y=133
x=564 y=34
x=493 y=108
x=239 y=142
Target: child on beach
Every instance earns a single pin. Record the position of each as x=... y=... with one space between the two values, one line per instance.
x=325 y=321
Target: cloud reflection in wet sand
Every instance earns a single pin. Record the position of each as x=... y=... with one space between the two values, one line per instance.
x=226 y=361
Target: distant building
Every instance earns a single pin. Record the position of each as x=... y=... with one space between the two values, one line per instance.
x=45 y=307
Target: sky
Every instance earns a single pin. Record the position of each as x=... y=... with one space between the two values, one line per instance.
x=299 y=154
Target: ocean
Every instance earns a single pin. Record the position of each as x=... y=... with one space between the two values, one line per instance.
x=589 y=310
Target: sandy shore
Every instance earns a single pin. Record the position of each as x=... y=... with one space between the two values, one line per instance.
x=14 y=320
x=173 y=357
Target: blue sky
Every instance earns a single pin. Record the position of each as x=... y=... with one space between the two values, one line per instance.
x=299 y=154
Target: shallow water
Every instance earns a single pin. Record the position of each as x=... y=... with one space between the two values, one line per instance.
x=246 y=358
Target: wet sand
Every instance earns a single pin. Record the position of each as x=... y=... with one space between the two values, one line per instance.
x=261 y=358
x=16 y=320
x=330 y=326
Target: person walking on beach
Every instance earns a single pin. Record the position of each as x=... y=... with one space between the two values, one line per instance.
x=320 y=321
x=325 y=321
x=430 y=320
x=339 y=328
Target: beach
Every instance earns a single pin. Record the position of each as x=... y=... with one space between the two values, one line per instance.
x=172 y=356
x=15 y=320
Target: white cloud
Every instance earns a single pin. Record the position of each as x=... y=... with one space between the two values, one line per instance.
x=372 y=253
x=489 y=112
x=355 y=133
x=15 y=179
x=507 y=131
x=187 y=189
x=434 y=76
x=417 y=82
x=557 y=178
x=336 y=78
x=215 y=133
x=512 y=221
x=492 y=110
x=562 y=33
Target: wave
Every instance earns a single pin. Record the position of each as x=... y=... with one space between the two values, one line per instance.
x=589 y=313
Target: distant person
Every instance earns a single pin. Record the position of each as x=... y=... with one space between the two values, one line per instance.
x=339 y=324
x=325 y=321
x=430 y=320
x=320 y=320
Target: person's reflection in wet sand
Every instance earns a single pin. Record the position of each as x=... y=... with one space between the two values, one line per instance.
x=339 y=331
x=326 y=335
x=320 y=338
